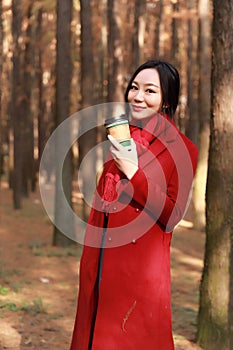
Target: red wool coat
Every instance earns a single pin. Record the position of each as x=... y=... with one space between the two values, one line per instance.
x=134 y=310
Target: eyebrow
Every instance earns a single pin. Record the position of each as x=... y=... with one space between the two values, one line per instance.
x=148 y=84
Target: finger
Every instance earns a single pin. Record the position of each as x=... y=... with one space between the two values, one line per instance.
x=112 y=150
x=114 y=153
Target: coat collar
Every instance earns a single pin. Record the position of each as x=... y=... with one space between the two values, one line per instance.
x=159 y=144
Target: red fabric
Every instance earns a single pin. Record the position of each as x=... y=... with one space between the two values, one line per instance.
x=134 y=309
x=143 y=135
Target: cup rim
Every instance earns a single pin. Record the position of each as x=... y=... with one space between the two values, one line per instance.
x=121 y=119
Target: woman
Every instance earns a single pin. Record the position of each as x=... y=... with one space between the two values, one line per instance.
x=124 y=296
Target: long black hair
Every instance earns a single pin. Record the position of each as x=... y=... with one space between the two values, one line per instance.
x=169 y=81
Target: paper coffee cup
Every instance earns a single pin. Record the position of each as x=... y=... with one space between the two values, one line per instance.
x=118 y=127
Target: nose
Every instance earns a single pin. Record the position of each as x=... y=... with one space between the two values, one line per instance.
x=139 y=96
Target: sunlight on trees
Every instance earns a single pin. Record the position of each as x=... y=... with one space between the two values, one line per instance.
x=108 y=39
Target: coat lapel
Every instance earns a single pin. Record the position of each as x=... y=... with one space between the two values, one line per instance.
x=158 y=145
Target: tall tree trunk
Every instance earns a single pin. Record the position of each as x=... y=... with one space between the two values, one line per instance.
x=167 y=41
x=39 y=82
x=17 y=117
x=204 y=57
x=1 y=57
x=22 y=113
x=139 y=35
x=100 y=49
x=175 y=38
x=115 y=53
x=104 y=52
x=63 y=216
x=183 y=53
x=88 y=139
x=215 y=321
x=28 y=131
x=192 y=126
x=160 y=30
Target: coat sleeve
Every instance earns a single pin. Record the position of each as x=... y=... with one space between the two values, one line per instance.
x=158 y=202
x=165 y=194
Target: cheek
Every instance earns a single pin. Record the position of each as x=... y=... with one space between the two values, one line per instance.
x=155 y=101
x=130 y=96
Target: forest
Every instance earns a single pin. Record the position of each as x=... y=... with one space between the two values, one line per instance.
x=63 y=61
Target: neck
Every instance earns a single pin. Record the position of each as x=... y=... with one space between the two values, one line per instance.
x=141 y=123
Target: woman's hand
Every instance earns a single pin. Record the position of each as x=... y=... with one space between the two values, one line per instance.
x=126 y=158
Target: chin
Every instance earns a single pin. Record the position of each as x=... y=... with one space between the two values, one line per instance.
x=142 y=115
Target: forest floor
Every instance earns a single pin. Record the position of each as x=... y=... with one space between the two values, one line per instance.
x=39 y=282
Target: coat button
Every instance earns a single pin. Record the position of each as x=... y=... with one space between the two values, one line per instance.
x=133 y=241
x=110 y=239
x=137 y=210
x=114 y=208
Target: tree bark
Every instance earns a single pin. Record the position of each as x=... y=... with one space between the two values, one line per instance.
x=215 y=320
x=87 y=141
x=39 y=83
x=1 y=57
x=115 y=53
x=21 y=104
x=25 y=101
x=192 y=125
x=175 y=36
x=63 y=217
x=16 y=115
x=204 y=58
x=139 y=36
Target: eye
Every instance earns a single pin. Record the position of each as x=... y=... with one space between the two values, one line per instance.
x=150 y=91
x=133 y=87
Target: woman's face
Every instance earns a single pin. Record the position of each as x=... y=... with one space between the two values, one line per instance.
x=145 y=95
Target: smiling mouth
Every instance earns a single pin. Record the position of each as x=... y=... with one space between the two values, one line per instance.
x=137 y=108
